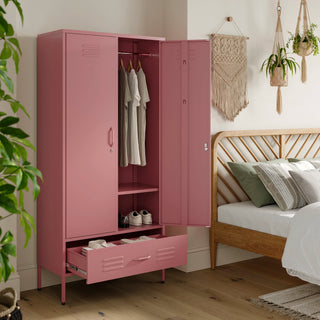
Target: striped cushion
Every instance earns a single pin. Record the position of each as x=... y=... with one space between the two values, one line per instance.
x=280 y=185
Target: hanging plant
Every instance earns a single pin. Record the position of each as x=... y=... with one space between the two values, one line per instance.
x=304 y=45
x=277 y=66
x=304 y=42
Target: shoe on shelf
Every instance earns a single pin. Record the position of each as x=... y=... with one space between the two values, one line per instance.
x=146 y=217
x=135 y=219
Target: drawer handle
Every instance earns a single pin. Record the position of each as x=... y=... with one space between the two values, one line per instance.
x=142 y=258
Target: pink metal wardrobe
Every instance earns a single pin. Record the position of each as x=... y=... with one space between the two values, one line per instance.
x=84 y=188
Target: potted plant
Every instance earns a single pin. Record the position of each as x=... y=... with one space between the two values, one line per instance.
x=277 y=66
x=306 y=43
x=15 y=170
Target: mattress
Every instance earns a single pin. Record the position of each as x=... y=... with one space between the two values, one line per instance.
x=268 y=219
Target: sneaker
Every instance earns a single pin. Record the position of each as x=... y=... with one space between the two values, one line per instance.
x=135 y=219
x=146 y=217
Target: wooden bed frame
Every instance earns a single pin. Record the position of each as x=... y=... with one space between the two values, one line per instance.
x=251 y=146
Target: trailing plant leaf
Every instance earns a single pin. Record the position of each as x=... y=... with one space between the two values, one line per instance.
x=310 y=38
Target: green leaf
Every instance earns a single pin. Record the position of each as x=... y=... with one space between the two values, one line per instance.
x=18 y=6
x=15 y=42
x=21 y=151
x=6 y=51
x=35 y=171
x=7 y=238
x=8 y=121
x=8 y=204
x=7 y=146
x=10 y=249
x=16 y=105
x=14 y=132
x=10 y=31
x=36 y=187
x=25 y=142
x=24 y=181
x=16 y=60
x=7 y=188
x=25 y=219
x=19 y=177
x=3 y=24
x=7 y=268
x=6 y=2
x=7 y=81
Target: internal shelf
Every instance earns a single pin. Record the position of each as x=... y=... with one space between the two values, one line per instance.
x=140 y=228
x=133 y=188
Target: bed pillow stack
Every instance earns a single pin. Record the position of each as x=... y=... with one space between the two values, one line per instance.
x=250 y=182
x=279 y=183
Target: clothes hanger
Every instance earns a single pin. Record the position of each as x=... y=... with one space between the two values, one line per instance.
x=139 y=65
x=130 y=67
x=121 y=64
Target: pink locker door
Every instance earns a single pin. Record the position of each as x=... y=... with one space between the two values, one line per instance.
x=91 y=135
x=185 y=133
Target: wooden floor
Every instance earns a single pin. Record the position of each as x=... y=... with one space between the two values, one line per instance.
x=222 y=294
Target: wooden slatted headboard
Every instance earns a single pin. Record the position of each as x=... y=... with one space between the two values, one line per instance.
x=252 y=146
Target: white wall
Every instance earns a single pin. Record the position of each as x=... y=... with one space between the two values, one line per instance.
x=257 y=20
x=142 y=17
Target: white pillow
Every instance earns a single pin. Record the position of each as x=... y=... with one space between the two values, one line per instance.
x=308 y=182
x=279 y=183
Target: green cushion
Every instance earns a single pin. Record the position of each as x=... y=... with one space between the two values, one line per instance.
x=250 y=182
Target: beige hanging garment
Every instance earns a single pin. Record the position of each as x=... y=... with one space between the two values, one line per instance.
x=229 y=73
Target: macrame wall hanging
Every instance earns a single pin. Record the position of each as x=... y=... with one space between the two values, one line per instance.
x=304 y=47
x=229 y=72
x=279 y=78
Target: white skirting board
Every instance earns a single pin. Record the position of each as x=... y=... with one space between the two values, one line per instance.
x=199 y=259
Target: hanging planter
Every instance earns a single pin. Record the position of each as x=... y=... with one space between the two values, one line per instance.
x=278 y=64
x=304 y=43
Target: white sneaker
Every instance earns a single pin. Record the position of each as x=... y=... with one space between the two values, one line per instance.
x=135 y=219
x=146 y=217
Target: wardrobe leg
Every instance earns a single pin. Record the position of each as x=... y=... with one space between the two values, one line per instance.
x=63 y=290
x=39 y=278
x=163 y=275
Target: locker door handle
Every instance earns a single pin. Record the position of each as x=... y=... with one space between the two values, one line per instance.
x=110 y=137
x=143 y=258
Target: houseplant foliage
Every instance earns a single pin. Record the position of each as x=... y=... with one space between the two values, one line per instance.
x=309 y=40
x=279 y=62
x=15 y=170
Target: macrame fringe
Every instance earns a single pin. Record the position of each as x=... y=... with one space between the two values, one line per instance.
x=279 y=101
x=303 y=69
x=230 y=100
x=295 y=315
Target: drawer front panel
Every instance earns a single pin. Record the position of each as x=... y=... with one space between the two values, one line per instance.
x=170 y=252
x=129 y=259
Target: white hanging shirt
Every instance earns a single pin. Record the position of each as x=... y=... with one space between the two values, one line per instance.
x=124 y=98
x=143 y=90
x=133 y=140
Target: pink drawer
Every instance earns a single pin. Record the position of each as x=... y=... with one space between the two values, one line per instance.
x=128 y=259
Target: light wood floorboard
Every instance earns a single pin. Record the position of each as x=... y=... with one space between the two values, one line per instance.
x=220 y=294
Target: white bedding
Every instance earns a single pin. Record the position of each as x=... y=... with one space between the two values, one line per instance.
x=268 y=219
x=301 y=256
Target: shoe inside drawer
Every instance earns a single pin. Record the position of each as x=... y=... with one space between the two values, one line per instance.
x=128 y=259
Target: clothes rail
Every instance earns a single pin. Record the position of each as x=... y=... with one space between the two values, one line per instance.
x=140 y=54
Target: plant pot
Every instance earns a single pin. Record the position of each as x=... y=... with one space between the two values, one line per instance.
x=304 y=49
x=9 y=308
x=277 y=80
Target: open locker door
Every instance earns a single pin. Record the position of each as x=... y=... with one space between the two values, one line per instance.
x=185 y=133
